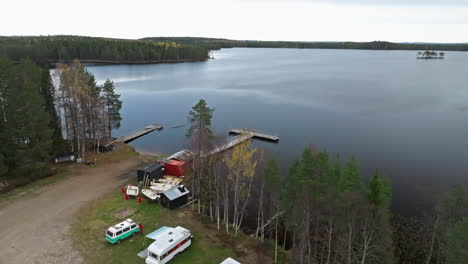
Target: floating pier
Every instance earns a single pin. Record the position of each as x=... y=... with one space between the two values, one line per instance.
x=136 y=134
x=243 y=135
x=255 y=134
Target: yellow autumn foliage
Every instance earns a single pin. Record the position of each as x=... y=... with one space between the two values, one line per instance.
x=241 y=166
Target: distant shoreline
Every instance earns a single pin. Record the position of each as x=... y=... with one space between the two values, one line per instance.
x=217 y=43
x=119 y=62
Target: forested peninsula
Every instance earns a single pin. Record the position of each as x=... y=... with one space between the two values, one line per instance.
x=217 y=43
x=49 y=49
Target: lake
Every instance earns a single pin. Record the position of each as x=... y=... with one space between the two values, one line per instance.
x=406 y=117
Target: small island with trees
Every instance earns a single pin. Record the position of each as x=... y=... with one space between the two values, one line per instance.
x=430 y=55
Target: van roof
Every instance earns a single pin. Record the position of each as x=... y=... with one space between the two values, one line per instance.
x=122 y=225
x=230 y=261
x=168 y=238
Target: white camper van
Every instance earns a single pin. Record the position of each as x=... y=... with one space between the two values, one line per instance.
x=168 y=243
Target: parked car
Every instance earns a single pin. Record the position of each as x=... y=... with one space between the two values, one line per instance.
x=120 y=231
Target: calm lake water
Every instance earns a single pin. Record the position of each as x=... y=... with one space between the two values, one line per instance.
x=406 y=117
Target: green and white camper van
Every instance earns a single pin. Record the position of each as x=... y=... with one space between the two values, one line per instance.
x=120 y=231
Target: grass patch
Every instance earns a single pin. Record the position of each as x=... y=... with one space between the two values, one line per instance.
x=156 y=158
x=31 y=186
x=92 y=221
x=121 y=151
x=34 y=187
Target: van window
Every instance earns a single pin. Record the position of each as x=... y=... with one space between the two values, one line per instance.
x=154 y=255
x=133 y=226
x=109 y=233
x=126 y=229
x=119 y=233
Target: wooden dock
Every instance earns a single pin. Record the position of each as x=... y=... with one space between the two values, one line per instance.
x=136 y=134
x=243 y=135
x=255 y=134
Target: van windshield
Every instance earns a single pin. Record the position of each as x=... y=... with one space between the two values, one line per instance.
x=154 y=256
x=109 y=233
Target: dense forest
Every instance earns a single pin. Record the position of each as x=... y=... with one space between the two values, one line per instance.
x=46 y=49
x=214 y=44
x=39 y=121
x=322 y=211
x=29 y=124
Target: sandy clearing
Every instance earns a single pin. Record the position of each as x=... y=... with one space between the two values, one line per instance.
x=33 y=229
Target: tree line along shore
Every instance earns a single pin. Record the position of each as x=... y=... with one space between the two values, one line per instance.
x=64 y=48
x=217 y=43
x=48 y=49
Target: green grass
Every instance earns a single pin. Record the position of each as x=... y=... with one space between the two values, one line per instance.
x=34 y=187
x=92 y=221
x=156 y=158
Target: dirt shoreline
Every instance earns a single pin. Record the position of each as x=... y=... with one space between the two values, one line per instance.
x=34 y=229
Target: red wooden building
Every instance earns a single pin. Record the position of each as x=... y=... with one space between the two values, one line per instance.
x=177 y=163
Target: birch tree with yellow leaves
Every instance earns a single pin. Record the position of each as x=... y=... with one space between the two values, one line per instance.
x=241 y=166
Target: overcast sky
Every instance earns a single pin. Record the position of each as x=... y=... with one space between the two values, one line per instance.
x=304 y=20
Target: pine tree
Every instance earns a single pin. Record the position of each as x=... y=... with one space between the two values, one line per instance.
x=201 y=135
x=5 y=76
x=307 y=163
x=379 y=194
x=48 y=93
x=28 y=136
x=200 y=120
x=456 y=248
x=272 y=176
x=113 y=106
x=273 y=188
x=376 y=238
x=3 y=166
x=290 y=192
x=350 y=178
x=454 y=206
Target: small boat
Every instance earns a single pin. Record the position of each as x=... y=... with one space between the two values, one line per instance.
x=171 y=181
x=164 y=184
x=132 y=190
x=150 y=194
x=160 y=187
